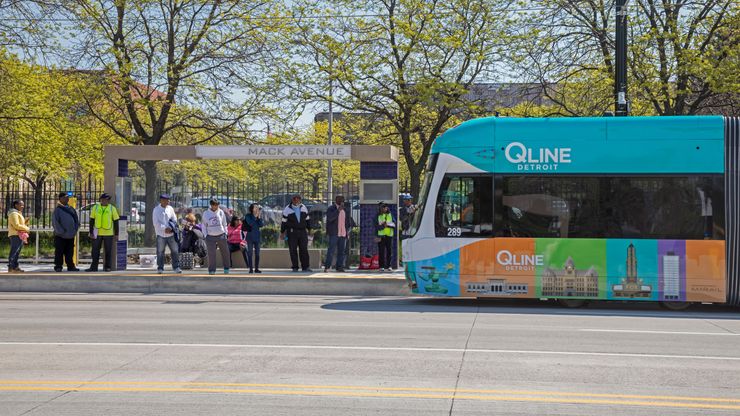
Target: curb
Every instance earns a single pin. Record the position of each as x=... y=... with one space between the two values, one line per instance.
x=206 y=284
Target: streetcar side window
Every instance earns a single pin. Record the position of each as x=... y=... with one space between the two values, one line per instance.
x=464 y=206
x=642 y=207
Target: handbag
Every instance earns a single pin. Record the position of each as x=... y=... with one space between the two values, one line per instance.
x=186 y=261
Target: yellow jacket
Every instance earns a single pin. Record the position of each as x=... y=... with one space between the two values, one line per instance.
x=16 y=223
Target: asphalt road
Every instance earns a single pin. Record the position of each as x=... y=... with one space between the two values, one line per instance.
x=248 y=355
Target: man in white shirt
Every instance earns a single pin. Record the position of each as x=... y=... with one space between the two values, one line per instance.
x=214 y=227
x=164 y=220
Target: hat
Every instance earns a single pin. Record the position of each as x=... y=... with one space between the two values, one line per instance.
x=63 y=194
x=104 y=196
x=406 y=196
x=214 y=201
x=164 y=196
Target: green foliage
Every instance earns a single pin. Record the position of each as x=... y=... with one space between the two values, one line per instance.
x=44 y=130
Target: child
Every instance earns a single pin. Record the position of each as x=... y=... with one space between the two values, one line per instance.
x=235 y=238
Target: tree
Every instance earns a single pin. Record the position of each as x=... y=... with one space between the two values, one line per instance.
x=676 y=49
x=42 y=134
x=190 y=66
x=408 y=63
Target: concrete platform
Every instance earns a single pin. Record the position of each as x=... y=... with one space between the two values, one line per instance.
x=198 y=281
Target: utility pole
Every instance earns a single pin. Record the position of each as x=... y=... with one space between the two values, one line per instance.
x=330 y=180
x=621 y=108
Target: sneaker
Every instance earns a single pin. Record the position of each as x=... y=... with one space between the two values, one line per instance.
x=91 y=270
x=251 y=271
x=160 y=271
x=12 y=271
x=295 y=270
x=341 y=270
x=257 y=271
x=73 y=269
x=178 y=270
x=226 y=271
x=58 y=269
x=210 y=272
x=326 y=269
x=107 y=269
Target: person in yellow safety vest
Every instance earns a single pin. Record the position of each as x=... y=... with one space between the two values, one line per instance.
x=386 y=228
x=103 y=232
x=16 y=224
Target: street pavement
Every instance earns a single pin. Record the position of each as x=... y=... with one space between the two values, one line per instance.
x=79 y=354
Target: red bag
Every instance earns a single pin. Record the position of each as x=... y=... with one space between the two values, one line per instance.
x=375 y=264
x=365 y=262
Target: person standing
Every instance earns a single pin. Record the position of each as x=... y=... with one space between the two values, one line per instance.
x=166 y=228
x=406 y=214
x=66 y=223
x=16 y=224
x=252 y=224
x=103 y=231
x=386 y=229
x=338 y=224
x=295 y=224
x=215 y=227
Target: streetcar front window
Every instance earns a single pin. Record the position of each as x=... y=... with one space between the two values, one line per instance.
x=421 y=203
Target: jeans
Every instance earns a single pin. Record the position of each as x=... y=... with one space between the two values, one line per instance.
x=170 y=242
x=64 y=251
x=253 y=247
x=97 y=243
x=385 y=251
x=338 y=244
x=15 y=251
x=213 y=241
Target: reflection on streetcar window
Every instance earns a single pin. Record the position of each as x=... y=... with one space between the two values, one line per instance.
x=464 y=207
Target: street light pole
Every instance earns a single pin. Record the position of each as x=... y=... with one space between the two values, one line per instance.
x=330 y=180
x=621 y=108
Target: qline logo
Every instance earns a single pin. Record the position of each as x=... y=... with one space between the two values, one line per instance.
x=542 y=159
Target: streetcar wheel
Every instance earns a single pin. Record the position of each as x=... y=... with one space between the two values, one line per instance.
x=675 y=306
x=572 y=303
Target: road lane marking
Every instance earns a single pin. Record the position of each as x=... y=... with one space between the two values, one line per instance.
x=371 y=388
x=631 y=331
x=368 y=348
x=671 y=404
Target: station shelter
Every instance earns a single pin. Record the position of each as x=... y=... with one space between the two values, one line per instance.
x=378 y=178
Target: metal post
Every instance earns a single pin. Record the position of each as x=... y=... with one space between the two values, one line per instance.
x=36 y=260
x=330 y=180
x=621 y=108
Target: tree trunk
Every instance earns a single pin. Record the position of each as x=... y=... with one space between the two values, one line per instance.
x=38 y=197
x=150 y=177
x=415 y=179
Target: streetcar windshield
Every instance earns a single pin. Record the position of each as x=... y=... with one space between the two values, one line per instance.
x=416 y=220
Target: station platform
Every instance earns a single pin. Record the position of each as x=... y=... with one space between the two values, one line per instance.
x=42 y=278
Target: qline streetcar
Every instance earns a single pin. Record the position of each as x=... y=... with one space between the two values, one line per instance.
x=613 y=208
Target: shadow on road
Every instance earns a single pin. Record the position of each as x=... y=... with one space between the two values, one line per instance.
x=532 y=307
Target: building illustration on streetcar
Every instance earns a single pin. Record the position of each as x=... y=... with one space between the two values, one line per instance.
x=632 y=286
x=499 y=287
x=570 y=281
x=552 y=203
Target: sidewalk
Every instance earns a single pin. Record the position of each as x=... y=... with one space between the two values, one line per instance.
x=42 y=278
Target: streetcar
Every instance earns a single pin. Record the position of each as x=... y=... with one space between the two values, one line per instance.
x=579 y=209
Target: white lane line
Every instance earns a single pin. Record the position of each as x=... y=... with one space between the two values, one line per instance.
x=631 y=331
x=361 y=348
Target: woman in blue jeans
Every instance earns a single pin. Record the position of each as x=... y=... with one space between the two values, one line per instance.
x=251 y=225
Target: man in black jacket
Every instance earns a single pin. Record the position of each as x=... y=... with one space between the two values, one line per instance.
x=295 y=224
x=66 y=223
x=338 y=224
